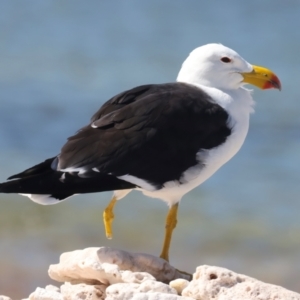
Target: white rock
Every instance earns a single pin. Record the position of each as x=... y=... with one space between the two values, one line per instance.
x=82 y=291
x=141 y=262
x=121 y=291
x=4 y=297
x=51 y=287
x=222 y=284
x=135 y=277
x=43 y=294
x=158 y=296
x=150 y=286
x=179 y=285
x=73 y=265
x=145 y=290
x=108 y=266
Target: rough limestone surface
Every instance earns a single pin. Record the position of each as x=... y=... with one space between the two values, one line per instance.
x=108 y=266
x=110 y=274
x=4 y=298
x=82 y=291
x=158 y=296
x=222 y=284
x=45 y=294
x=69 y=292
x=126 y=291
x=179 y=285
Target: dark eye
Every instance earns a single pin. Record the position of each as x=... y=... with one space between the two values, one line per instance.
x=226 y=59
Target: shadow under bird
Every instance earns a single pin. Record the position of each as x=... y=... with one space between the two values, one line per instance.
x=161 y=139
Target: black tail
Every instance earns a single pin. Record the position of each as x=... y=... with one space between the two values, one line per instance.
x=42 y=179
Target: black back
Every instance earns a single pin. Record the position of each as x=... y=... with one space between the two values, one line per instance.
x=152 y=132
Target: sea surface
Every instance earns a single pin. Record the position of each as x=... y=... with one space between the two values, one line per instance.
x=61 y=60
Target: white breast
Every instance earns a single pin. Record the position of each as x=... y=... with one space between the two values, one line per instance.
x=239 y=105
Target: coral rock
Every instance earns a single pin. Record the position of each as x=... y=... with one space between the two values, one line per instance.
x=83 y=291
x=146 y=290
x=108 y=266
x=4 y=298
x=45 y=294
x=109 y=274
x=219 y=283
x=157 y=296
x=179 y=285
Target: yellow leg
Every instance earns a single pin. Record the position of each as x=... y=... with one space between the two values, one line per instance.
x=108 y=217
x=171 y=222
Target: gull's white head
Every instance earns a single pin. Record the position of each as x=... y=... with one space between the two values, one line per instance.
x=215 y=65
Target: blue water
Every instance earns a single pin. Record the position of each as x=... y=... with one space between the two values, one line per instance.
x=60 y=60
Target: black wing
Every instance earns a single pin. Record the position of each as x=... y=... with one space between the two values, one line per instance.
x=152 y=132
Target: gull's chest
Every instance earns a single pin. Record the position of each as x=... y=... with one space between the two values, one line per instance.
x=209 y=161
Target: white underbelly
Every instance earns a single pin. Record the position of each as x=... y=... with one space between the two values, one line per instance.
x=213 y=159
x=239 y=104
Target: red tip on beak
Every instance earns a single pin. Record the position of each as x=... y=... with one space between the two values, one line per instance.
x=273 y=83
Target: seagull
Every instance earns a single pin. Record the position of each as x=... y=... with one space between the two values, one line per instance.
x=161 y=139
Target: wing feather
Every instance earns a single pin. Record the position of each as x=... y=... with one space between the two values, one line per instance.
x=152 y=132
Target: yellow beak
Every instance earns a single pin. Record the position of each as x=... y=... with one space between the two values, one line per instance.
x=263 y=78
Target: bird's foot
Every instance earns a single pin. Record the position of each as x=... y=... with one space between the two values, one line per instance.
x=108 y=217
